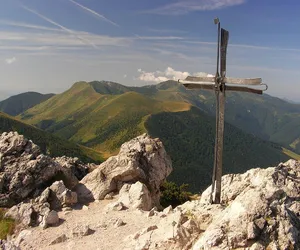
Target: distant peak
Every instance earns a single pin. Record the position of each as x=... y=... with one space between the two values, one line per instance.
x=108 y=87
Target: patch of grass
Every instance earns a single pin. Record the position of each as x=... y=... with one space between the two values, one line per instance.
x=6 y=225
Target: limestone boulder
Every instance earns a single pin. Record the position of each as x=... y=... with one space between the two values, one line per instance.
x=60 y=196
x=136 y=196
x=142 y=159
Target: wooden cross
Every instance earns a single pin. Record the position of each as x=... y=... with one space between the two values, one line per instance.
x=220 y=83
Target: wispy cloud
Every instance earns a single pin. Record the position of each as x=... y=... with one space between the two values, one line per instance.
x=10 y=60
x=164 y=31
x=158 y=37
x=185 y=6
x=95 y=13
x=22 y=40
x=246 y=46
x=168 y=74
x=27 y=25
x=59 y=26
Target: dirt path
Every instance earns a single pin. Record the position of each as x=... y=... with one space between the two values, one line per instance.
x=106 y=236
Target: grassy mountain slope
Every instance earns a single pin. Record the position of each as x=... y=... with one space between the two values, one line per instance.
x=48 y=143
x=103 y=115
x=267 y=117
x=17 y=104
x=189 y=139
x=86 y=114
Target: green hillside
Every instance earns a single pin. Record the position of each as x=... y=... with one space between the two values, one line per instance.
x=103 y=115
x=48 y=143
x=17 y=104
x=267 y=117
x=86 y=114
x=189 y=139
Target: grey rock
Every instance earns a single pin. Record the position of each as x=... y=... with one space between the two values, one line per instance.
x=25 y=170
x=152 y=212
x=119 y=223
x=81 y=230
x=59 y=239
x=67 y=209
x=84 y=207
x=174 y=231
x=108 y=196
x=44 y=196
x=22 y=213
x=259 y=211
x=60 y=196
x=22 y=236
x=168 y=210
x=142 y=159
x=33 y=214
x=136 y=196
x=115 y=206
x=74 y=165
x=52 y=218
x=8 y=245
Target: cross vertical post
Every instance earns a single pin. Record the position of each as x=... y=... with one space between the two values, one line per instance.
x=218 y=83
x=213 y=185
x=215 y=197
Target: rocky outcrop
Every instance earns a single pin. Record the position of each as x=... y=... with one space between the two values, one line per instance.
x=42 y=211
x=260 y=210
x=33 y=214
x=175 y=231
x=25 y=172
x=8 y=245
x=142 y=159
x=75 y=166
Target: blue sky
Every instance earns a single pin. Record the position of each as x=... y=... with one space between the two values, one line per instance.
x=47 y=45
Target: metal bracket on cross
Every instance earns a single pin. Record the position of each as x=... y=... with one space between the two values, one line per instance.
x=220 y=84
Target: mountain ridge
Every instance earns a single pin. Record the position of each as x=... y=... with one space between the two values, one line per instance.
x=17 y=104
x=104 y=121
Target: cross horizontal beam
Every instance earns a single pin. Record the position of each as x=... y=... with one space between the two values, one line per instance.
x=232 y=80
x=211 y=86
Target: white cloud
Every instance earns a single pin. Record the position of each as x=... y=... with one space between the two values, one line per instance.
x=57 y=39
x=168 y=74
x=152 y=77
x=95 y=13
x=27 y=25
x=10 y=60
x=186 y=6
x=125 y=76
x=71 y=32
x=203 y=74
